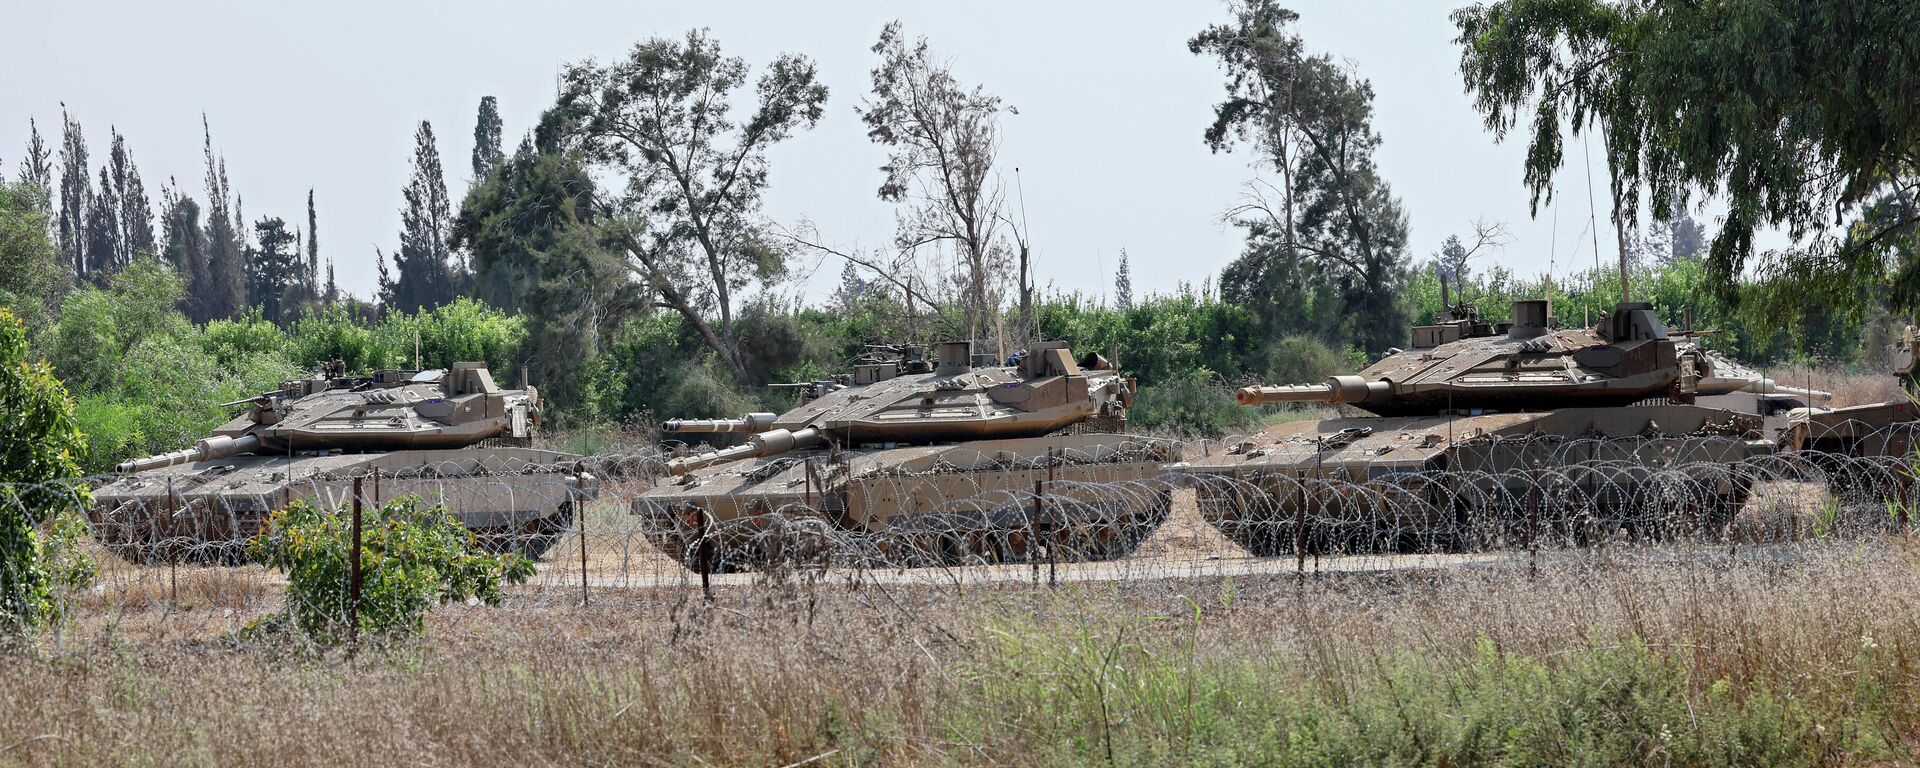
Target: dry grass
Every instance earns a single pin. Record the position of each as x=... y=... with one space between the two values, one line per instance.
x=1177 y=671
x=1848 y=387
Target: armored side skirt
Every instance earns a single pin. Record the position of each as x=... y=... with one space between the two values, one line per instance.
x=1481 y=489
x=512 y=499
x=1075 y=497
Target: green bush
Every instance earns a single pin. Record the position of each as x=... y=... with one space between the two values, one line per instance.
x=39 y=449
x=412 y=558
x=229 y=341
x=1194 y=404
x=1301 y=360
x=335 y=334
x=463 y=331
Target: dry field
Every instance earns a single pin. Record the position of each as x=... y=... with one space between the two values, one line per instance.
x=1608 y=657
x=1786 y=646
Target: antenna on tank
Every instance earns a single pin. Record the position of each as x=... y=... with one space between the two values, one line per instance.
x=1553 y=248
x=1593 y=218
x=416 y=349
x=1026 y=251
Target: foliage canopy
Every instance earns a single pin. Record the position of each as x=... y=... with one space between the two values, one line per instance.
x=1799 y=112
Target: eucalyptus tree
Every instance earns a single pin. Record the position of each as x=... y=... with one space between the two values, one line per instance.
x=1798 y=113
x=683 y=177
x=226 y=283
x=944 y=139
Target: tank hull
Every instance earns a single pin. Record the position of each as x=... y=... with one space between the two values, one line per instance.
x=1069 y=497
x=1436 y=483
x=513 y=499
x=1866 y=453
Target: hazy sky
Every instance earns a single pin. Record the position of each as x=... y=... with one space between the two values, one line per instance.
x=1108 y=135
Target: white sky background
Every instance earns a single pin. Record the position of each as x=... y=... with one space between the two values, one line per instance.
x=1108 y=135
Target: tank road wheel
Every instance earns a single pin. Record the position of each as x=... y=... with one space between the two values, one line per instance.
x=530 y=539
x=1113 y=528
x=128 y=530
x=769 y=540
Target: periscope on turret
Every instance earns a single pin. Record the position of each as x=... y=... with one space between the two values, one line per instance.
x=409 y=432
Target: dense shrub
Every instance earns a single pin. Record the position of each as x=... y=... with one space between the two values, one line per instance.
x=412 y=558
x=228 y=341
x=1300 y=360
x=39 y=445
x=1196 y=404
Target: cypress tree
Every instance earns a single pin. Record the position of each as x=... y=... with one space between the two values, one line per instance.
x=102 y=240
x=186 y=250
x=487 y=154
x=423 y=275
x=135 y=210
x=76 y=194
x=226 y=257
x=313 y=243
x=37 y=166
x=332 y=296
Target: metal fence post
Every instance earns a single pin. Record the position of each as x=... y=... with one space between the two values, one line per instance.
x=1053 y=535
x=580 y=513
x=173 y=563
x=1034 y=534
x=705 y=557
x=353 y=575
x=1533 y=529
x=1300 y=532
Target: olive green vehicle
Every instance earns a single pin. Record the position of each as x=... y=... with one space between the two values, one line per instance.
x=1866 y=452
x=922 y=462
x=398 y=432
x=1482 y=432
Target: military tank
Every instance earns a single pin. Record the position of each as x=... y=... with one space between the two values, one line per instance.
x=919 y=462
x=1484 y=432
x=398 y=432
x=1866 y=453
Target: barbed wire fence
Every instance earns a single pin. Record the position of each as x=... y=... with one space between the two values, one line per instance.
x=171 y=557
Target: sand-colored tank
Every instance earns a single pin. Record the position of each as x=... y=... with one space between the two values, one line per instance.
x=922 y=462
x=1867 y=452
x=401 y=432
x=1490 y=431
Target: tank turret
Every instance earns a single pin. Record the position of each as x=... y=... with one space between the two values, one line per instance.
x=952 y=400
x=1461 y=427
x=1463 y=365
x=940 y=459
x=420 y=430
x=386 y=411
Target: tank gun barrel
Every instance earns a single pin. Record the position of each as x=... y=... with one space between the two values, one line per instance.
x=758 y=445
x=1770 y=387
x=218 y=447
x=1337 y=389
x=255 y=398
x=752 y=422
